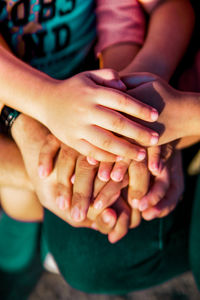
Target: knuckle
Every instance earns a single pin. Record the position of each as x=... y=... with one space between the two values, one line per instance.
x=51 y=139
x=78 y=199
x=83 y=164
x=111 y=73
x=119 y=122
x=123 y=101
x=106 y=143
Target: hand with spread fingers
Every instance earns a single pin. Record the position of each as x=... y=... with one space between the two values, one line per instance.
x=81 y=195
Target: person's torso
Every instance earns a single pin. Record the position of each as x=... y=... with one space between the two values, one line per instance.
x=54 y=36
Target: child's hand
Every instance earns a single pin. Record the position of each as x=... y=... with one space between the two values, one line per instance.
x=85 y=109
x=173 y=105
x=142 y=193
x=166 y=189
x=115 y=172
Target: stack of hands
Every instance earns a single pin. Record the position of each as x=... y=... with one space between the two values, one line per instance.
x=136 y=178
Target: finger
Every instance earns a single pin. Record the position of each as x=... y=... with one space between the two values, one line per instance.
x=125 y=103
x=65 y=215
x=116 y=122
x=98 y=186
x=107 y=141
x=88 y=149
x=82 y=189
x=135 y=218
x=154 y=160
x=164 y=207
x=166 y=151
x=104 y=171
x=123 y=221
x=106 y=220
x=119 y=170
x=136 y=79
x=139 y=178
x=92 y=161
x=172 y=196
x=65 y=167
x=47 y=156
x=107 y=77
x=109 y=194
x=157 y=190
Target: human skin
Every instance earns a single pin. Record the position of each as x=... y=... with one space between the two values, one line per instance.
x=169 y=101
x=29 y=139
x=81 y=113
x=152 y=57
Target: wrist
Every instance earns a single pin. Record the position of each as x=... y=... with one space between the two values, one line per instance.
x=151 y=63
x=192 y=114
x=28 y=89
x=28 y=133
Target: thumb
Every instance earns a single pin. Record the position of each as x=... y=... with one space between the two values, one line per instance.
x=107 y=77
x=135 y=79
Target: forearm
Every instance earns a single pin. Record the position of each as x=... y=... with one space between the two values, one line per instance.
x=169 y=32
x=22 y=87
x=29 y=135
x=13 y=173
x=119 y=56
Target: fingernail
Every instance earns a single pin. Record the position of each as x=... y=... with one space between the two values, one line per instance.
x=154 y=139
x=42 y=172
x=141 y=155
x=73 y=179
x=143 y=205
x=154 y=115
x=60 y=200
x=134 y=203
x=154 y=166
x=116 y=176
x=94 y=226
x=98 y=205
x=104 y=176
x=119 y=158
x=106 y=218
x=75 y=213
x=92 y=161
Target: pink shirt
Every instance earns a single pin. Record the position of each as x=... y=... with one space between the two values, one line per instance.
x=119 y=21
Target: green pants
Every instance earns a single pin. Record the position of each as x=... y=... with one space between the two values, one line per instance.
x=148 y=255
x=195 y=237
x=20 y=265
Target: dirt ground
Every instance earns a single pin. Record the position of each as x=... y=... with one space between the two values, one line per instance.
x=53 y=287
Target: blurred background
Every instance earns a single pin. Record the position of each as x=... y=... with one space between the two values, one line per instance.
x=53 y=287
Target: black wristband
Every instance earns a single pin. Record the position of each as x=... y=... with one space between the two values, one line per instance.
x=7 y=118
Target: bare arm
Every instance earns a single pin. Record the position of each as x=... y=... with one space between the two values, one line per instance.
x=12 y=168
x=169 y=32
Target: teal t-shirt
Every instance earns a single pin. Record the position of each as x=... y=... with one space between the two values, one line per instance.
x=53 y=36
